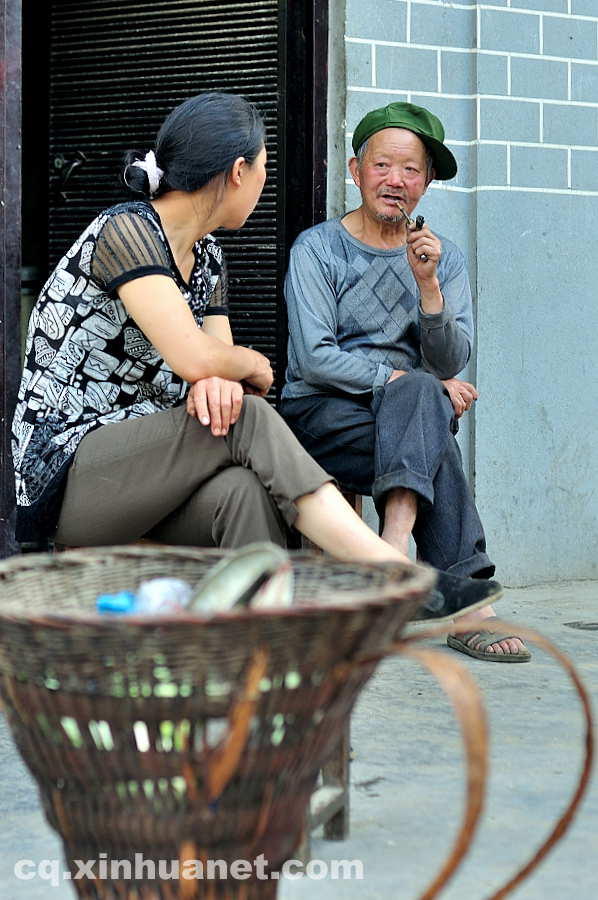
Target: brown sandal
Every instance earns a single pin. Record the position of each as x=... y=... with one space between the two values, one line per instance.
x=487 y=638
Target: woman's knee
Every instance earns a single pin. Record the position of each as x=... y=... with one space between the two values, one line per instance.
x=260 y=421
x=256 y=404
x=256 y=412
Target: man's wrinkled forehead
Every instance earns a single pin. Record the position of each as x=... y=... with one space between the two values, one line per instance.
x=396 y=140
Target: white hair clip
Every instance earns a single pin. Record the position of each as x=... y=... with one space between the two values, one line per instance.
x=153 y=171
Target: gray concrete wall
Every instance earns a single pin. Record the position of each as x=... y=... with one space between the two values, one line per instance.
x=517 y=90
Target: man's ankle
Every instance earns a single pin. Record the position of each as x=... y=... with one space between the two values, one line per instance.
x=397 y=540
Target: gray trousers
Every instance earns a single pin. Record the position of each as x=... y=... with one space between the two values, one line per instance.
x=166 y=477
x=401 y=437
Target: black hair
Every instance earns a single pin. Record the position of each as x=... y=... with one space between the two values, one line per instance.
x=199 y=140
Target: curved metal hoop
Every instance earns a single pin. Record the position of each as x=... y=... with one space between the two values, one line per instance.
x=475 y=735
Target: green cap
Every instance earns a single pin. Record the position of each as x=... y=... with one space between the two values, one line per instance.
x=416 y=119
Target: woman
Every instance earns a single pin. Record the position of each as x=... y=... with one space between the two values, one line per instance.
x=110 y=442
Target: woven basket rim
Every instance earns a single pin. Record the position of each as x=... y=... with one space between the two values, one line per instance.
x=418 y=581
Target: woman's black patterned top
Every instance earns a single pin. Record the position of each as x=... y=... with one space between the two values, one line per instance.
x=86 y=362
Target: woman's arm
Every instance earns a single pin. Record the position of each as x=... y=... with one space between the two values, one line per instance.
x=218 y=327
x=216 y=401
x=160 y=311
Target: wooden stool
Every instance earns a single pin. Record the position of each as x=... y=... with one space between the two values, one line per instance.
x=329 y=805
x=354 y=500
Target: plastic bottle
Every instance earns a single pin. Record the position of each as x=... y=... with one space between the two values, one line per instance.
x=163 y=595
x=158 y=596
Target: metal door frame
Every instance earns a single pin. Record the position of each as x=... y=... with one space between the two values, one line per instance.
x=303 y=148
x=310 y=46
x=10 y=251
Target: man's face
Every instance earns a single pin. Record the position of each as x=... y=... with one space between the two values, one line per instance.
x=394 y=167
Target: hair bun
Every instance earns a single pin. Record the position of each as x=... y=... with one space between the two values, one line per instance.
x=133 y=177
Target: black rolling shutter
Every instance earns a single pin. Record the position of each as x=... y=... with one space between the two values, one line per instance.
x=116 y=68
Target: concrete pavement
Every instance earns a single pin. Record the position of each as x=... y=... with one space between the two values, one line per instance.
x=407 y=777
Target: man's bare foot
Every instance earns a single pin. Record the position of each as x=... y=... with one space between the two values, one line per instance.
x=512 y=645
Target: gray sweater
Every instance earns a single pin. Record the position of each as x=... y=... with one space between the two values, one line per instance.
x=354 y=314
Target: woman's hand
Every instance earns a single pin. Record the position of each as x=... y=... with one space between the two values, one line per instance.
x=215 y=402
x=261 y=378
x=462 y=394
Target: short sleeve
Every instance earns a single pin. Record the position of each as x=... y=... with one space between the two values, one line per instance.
x=218 y=302
x=128 y=247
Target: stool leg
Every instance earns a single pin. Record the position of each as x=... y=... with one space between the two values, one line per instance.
x=354 y=500
x=303 y=851
x=336 y=772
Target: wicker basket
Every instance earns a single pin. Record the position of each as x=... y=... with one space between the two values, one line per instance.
x=180 y=738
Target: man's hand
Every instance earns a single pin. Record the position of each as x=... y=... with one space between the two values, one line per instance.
x=462 y=394
x=419 y=243
x=215 y=402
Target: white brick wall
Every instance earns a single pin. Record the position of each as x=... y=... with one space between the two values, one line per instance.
x=523 y=77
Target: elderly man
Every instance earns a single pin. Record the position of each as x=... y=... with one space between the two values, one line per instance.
x=380 y=321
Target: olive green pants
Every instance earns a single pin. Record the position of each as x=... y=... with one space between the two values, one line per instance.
x=166 y=477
